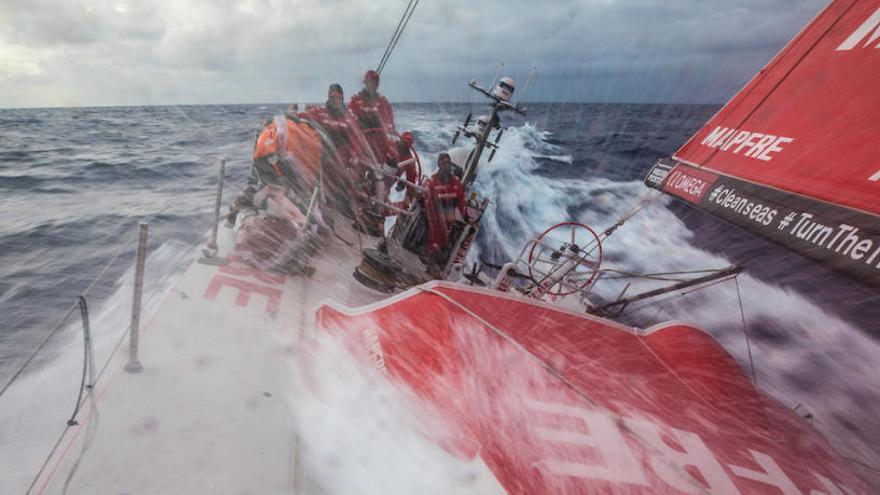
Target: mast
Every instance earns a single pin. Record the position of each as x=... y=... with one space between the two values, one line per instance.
x=499 y=104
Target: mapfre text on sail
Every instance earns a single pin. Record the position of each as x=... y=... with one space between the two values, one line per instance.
x=751 y=144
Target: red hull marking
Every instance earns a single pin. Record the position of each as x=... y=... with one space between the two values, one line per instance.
x=245 y=289
x=244 y=271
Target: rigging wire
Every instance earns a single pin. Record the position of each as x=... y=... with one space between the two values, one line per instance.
x=745 y=328
x=393 y=44
x=741 y=313
x=401 y=26
x=398 y=37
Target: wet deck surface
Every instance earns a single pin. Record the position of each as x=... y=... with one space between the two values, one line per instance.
x=210 y=411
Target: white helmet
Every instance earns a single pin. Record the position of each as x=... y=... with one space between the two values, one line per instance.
x=504 y=89
x=480 y=125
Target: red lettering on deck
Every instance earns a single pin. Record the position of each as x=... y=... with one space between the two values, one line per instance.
x=245 y=289
x=245 y=271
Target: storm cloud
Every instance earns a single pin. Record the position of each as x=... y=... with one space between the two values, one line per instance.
x=78 y=53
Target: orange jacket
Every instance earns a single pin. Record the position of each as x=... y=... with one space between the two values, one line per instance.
x=343 y=131
x=297 y=146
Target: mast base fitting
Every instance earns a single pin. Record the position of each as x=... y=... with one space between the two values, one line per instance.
x=370 y=282
x=379 y=271
x=134 y=366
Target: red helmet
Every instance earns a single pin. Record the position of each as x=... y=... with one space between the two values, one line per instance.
x=371 y=75
x=407 y=138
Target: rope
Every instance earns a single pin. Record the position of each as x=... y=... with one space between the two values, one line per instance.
x=84 y=314
x=401 y=26
x=89 y=363
x=642 y=202
x=745 y=328
x=48 y=458
x=654 y=276
x=681 y=294
x=85 y=386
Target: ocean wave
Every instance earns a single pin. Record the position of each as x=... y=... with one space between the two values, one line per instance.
x=581 y=163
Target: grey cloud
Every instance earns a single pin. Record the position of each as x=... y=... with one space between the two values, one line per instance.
x=163 y=51
x=51 y=22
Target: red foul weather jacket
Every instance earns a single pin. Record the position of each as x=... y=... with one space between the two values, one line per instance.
x=343 y=131
x=441 y=202
x=376 y=119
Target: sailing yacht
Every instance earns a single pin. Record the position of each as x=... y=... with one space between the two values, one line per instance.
x=514 y=378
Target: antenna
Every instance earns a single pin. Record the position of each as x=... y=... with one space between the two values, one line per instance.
x=497 y=71
x=526 y=86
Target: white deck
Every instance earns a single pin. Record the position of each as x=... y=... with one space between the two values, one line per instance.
x=209 y=413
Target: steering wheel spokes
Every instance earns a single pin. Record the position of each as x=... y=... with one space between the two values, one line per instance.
x=565 y=258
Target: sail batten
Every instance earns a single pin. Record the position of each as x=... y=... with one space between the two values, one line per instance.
x=794 y=155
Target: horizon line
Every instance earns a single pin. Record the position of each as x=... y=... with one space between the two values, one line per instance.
x=393 y=103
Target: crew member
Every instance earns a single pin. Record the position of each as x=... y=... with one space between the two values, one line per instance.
x=444 y=205
x=376 y=119
x=346 y=139
x=408 y=166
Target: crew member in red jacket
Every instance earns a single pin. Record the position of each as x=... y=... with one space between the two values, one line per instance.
x=444 y=205
x=376 y=119
x=342 y=129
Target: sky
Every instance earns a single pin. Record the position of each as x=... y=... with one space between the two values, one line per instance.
x=152 y=52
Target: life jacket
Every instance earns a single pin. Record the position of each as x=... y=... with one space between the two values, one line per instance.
x=290 y=146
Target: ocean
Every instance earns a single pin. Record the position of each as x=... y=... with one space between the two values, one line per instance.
x=75 y=183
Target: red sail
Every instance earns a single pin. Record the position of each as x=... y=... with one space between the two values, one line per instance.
x=795 y=155
x=808 y=122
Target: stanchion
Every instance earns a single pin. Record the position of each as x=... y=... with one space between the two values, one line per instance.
x=210 y=251
x=134 y=365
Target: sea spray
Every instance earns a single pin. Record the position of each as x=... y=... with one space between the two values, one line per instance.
x=34 y=410
x=820 y=361
x=360 y=433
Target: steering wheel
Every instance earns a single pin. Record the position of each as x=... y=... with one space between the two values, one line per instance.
x=555 y=243
x=418 y=166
